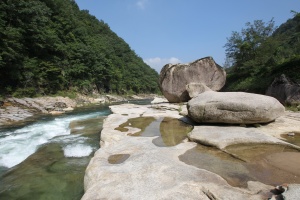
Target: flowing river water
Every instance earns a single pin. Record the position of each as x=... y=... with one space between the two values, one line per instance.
x=46 y=159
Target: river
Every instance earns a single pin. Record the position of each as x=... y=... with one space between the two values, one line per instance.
x=46 y=159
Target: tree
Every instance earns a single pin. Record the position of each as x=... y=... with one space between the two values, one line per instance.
x=258 y=54
x=242 y=47
x=47 y=46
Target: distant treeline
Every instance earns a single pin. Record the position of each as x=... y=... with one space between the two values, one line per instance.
x=50 y=46
x=260 y=52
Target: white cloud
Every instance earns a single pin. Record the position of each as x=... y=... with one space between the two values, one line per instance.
x=141 y=4
x=157 y=63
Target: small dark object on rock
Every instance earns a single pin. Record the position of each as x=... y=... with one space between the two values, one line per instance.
x=1 y=103
x=277 y=192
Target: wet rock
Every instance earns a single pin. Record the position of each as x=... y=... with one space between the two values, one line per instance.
x=234 y=108
x=285 y=90
x=174 y=78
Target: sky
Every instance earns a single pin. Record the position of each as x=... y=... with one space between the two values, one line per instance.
x=182 y=31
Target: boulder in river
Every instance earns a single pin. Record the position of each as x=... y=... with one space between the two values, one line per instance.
x=174 y=78
x=285 y=90
x=234 y=108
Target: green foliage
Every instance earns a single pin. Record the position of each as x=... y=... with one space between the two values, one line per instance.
x=259 y=54
x=48 y=46
x=71 y=94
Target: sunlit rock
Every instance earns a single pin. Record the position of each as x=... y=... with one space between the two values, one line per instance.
x=174 y=78
x=234 y=108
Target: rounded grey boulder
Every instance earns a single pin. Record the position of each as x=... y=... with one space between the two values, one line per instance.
x=234 y=108
x=174 y=78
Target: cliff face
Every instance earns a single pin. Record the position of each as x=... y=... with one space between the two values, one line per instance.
x=51 y=46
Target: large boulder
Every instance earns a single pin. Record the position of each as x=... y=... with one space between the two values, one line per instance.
x=234 y=108
x=174 y=78
x=285 y=90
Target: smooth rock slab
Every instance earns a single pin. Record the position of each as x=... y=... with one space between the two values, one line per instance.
x=234 y=108
x=223 y=136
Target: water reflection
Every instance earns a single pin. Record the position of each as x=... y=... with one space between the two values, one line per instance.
x=293 y=137
x=168 y=131
x=266 y=163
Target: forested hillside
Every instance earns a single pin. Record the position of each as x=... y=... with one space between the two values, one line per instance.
x=49 y=46
x=260 y=52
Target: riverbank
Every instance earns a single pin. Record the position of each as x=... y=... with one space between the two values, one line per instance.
x=144 y=155
x=15 y=111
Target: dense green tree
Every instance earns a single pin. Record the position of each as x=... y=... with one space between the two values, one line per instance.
x=259 y=53
x=49 y=46
x=244 y=46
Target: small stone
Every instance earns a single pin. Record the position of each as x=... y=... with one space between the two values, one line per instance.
x=291 y=134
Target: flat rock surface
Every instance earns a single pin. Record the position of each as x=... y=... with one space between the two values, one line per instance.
x=127 y=167
x=223 y=136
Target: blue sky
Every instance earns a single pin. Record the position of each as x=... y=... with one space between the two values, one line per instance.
x=181 y=31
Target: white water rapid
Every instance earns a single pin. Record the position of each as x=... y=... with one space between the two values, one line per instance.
x=17 y=144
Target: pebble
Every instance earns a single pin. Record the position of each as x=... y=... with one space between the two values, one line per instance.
x=291 y=134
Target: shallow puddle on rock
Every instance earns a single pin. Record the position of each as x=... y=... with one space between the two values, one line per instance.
x=118 y=158
x=231 y=169
x=269 y=164
x=168 y=131
x=172 y=132
x=139 y=122
x=293 y=138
